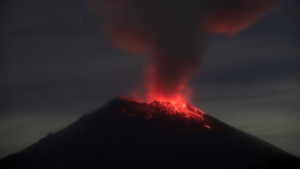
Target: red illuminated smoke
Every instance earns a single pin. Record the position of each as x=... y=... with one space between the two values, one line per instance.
x=173 y=33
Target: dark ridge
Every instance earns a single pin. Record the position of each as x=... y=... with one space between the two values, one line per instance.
x=121 y=134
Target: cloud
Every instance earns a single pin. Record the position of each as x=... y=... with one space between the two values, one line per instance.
x=173 y=34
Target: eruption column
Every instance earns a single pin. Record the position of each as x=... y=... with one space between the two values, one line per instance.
x=173 y=33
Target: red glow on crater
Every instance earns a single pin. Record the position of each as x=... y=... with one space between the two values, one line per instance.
x=167 y=83
x=158 y=109
x=182 y=109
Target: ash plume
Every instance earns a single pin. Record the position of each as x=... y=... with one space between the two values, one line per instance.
x=173 y=33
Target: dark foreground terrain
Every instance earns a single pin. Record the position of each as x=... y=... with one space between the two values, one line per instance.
x=128 y=134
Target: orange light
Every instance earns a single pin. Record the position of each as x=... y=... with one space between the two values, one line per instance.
x=155 y=109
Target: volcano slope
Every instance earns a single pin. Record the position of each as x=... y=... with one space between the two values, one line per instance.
x=129 y=134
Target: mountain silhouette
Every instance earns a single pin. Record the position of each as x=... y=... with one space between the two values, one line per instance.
x=128 y=134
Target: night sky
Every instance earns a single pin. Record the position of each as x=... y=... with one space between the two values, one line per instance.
x=56 y=64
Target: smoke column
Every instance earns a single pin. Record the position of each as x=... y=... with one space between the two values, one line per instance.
x=173 y=33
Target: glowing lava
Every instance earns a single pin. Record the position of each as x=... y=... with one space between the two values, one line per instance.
x=157 y=109
x=182 y=109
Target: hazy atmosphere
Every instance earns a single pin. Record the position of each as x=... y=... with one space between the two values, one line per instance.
x=56 y=64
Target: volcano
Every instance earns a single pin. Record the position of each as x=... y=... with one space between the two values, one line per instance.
x=128 y=134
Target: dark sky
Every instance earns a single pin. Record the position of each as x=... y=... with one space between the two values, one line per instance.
x=56 y=64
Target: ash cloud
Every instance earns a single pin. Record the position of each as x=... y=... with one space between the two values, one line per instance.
x=173 y=33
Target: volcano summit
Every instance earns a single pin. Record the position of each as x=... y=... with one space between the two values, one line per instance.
x=128 y=134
